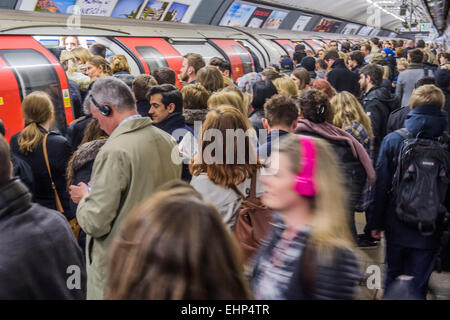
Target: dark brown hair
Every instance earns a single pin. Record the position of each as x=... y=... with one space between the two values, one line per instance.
x=141 y=85
x=211 y=78
x=165 y=75
x=280 y=110
x=416 y=55
x=315 y=106
x=195 y=96
x=175 y=246
x=303 y=75
x=195 y=60
x=92 y=132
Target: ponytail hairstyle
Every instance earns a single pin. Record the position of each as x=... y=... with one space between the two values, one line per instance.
x=102 y=63
x=37 y=108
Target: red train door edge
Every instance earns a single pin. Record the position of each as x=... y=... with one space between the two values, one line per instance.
x=228 y=46
x=173 y=58
x=28 y=42
x=10 y=101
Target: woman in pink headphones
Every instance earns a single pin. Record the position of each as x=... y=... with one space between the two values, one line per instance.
x=309 y=252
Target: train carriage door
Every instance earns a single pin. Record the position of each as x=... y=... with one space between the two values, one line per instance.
x=34 y=68
x=154 y=53
x=10 y=103
x=240 y=59
x=287 y=45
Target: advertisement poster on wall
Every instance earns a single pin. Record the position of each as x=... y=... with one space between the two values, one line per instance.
x=96 y=8
x=57 y=6
x=350 y=28
x=258 y=17
x=365 y=31
x=176 y=12
x=328 y=25
x=127 y=9
x=301 y=23
x=275 y=19
x=237 y=15
x=154 y=10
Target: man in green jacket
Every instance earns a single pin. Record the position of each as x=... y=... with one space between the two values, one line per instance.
x=134 y=162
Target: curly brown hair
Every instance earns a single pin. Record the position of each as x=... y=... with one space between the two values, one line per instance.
x=315 y=106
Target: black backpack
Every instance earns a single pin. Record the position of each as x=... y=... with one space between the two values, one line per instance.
x=420 y=182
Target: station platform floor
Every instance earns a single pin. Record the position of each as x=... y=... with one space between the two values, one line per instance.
x=439 y=282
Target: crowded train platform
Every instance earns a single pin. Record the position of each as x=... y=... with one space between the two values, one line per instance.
x=167 y=160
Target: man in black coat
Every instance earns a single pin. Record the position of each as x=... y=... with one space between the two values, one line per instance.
x=340 y=77
x=376 y=101
x=39 y=256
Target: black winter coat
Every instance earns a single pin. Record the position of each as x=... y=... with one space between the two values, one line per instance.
x=378 y=104
x=75 y=131
x=342 y=79
x=75 y=98
x=59 y=152
x=37 y=250
x=82 y=170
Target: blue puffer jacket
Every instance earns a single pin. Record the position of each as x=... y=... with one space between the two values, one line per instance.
x=432 y=122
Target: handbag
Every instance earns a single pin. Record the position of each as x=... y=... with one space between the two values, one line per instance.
x=253 y=221
x=73 y=223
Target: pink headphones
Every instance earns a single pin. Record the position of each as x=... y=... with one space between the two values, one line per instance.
x=304 y=181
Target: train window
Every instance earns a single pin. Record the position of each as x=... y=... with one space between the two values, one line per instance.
x=34 y=72
x=152 y=57
x=255 y=51
x=205 y=49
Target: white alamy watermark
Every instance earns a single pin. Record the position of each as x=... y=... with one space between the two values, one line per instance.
x=74 y=20
x=373 y=17
x=74 y=279
x=373 y=281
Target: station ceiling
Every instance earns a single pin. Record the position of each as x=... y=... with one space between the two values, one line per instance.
x=386 y=13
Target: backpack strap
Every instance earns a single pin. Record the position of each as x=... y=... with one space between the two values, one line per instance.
x=252 y=189
x=59 y=206
x=239 y=193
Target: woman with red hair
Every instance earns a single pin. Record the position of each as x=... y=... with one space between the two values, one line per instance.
x=324 y=86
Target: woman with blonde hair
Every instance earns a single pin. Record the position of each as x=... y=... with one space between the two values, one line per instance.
x=121 y=69
x=82 y=55
x=211 y=78
x=216 y=175
x=349 y=115
x=69 y=62
x=174 y=246
x=229 y=98
x=309 y=253
x=28 y=144
x=287 y=86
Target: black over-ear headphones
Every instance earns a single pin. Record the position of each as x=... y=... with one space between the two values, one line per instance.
x=104 y=110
